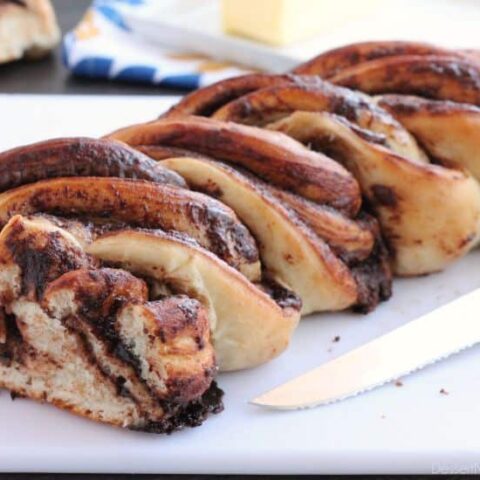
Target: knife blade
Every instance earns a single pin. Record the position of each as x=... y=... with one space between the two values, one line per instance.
x=434 y=336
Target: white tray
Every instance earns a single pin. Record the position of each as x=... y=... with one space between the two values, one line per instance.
x=409 y=429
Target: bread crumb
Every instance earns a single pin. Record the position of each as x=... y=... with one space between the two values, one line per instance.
x=398 y=383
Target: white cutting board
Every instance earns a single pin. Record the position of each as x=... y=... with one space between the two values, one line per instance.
x=408 y=429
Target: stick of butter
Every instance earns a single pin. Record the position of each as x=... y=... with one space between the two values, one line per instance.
x=281 y=22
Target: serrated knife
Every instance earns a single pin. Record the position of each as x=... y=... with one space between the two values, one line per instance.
x=434 y=336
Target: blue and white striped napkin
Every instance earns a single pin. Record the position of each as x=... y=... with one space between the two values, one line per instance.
x=106 y=45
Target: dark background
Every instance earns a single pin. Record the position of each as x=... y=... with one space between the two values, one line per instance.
x=50 y=76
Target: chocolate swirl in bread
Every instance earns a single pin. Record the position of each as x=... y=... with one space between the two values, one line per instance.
x=88 y=338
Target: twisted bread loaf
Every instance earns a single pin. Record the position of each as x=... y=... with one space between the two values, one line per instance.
x=112 y=266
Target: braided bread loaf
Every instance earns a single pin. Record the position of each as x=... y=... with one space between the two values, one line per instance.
x=248 y=203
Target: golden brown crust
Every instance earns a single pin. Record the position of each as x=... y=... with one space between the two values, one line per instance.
x=274 y=157
x=402 y=106
x=207 y=100
x=270 y=104
x=143 y=204
x=435 y=77
x=334 y=61
x=75 y=157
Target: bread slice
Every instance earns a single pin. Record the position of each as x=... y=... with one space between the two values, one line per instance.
x=89 y=340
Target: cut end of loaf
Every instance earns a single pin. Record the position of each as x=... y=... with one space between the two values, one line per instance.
x=89 y=340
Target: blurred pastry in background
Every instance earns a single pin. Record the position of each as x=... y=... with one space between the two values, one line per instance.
x=28 y=28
